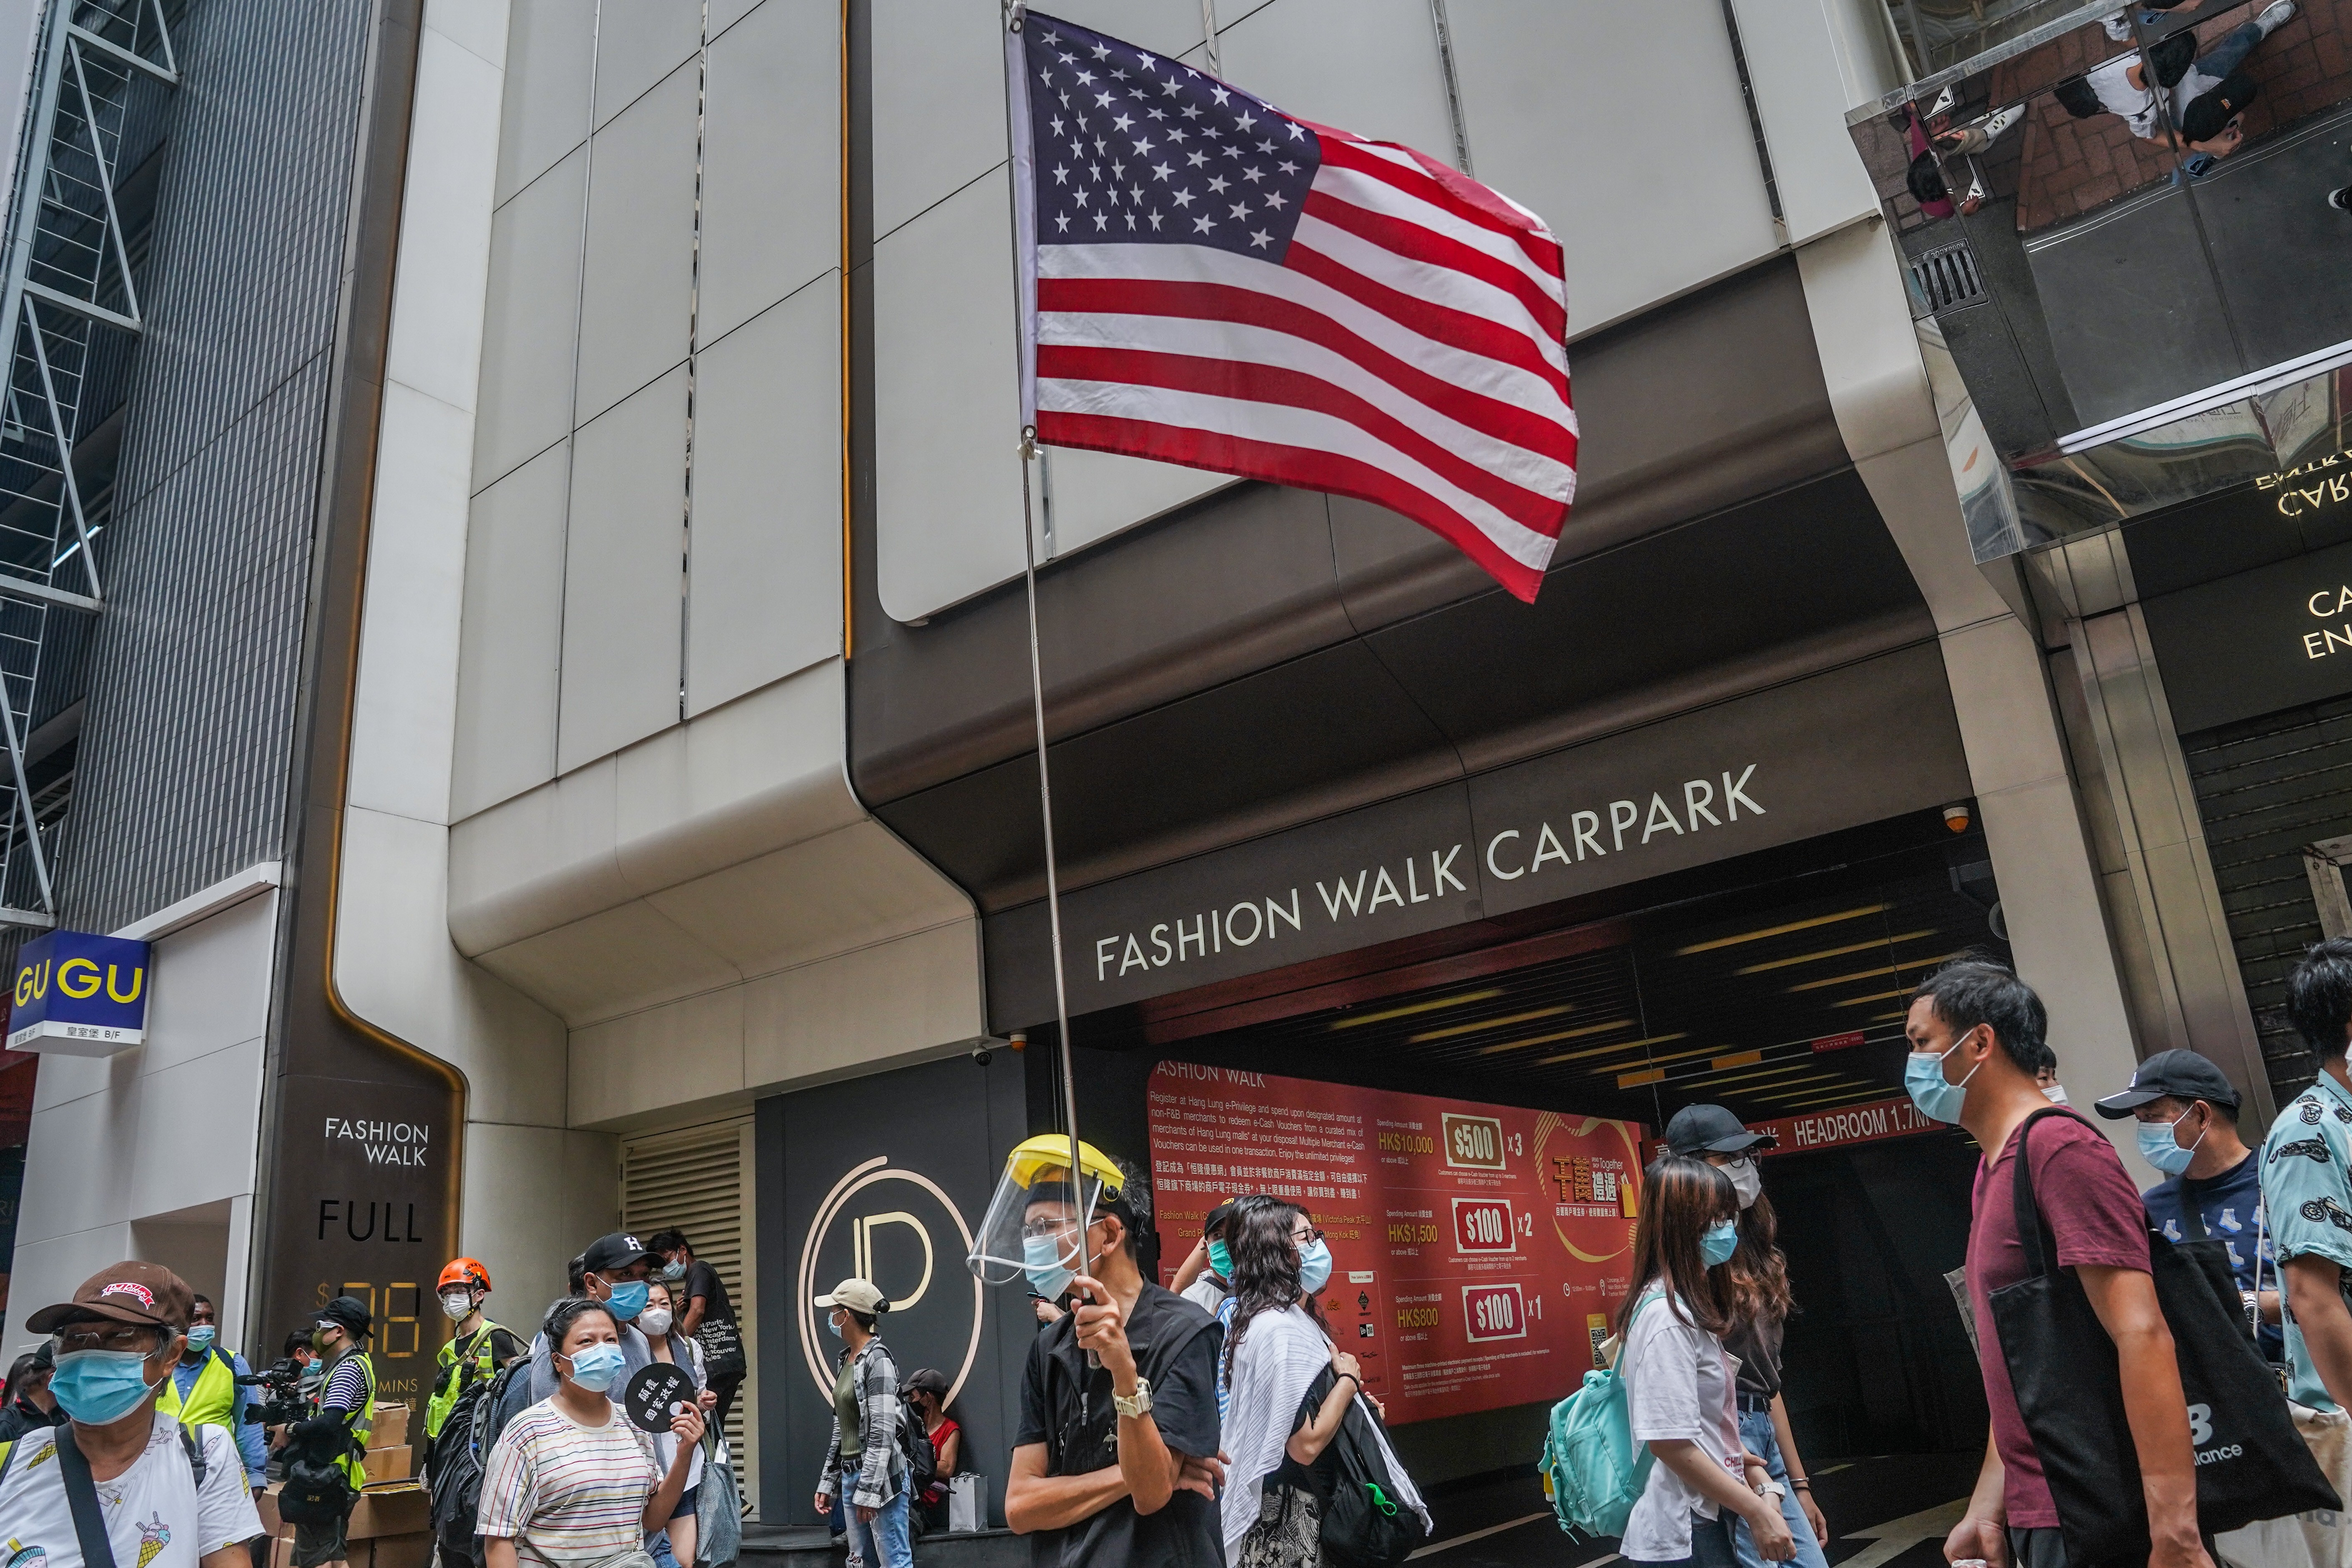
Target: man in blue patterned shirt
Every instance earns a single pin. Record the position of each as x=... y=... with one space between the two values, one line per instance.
x=2308 y=1185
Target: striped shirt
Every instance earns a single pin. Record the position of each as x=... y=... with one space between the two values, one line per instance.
x=568 y=1494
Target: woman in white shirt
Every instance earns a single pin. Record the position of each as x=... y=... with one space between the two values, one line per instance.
x=1679 y=1379
x=571 y=1482
x=1276 y=1439
x=658 y=1323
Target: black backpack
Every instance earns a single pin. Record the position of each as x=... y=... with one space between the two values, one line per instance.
x=922 y=1458
x=454 y=1469
x=1366 y=1523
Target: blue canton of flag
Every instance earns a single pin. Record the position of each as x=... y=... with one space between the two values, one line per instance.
x=1131 y=147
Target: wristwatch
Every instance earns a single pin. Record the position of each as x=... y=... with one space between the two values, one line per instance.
x=1772 y=1489
x=1141 y=1405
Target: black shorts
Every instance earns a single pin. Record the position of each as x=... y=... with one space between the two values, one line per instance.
x=318 y=1543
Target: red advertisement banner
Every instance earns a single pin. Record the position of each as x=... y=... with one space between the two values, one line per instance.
x=1477 y=1250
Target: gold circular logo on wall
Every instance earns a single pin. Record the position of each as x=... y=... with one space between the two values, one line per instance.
x=865 y=1227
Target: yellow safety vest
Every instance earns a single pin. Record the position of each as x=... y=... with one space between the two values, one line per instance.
x=361 y=1424
x=455 y=1380
x=212 y=1402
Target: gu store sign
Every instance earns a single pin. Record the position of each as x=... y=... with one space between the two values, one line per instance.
x=78 y=994
x=1858 y=744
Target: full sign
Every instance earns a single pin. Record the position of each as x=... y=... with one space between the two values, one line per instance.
x=78 y=994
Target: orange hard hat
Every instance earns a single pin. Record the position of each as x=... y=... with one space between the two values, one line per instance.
x=463 y=1272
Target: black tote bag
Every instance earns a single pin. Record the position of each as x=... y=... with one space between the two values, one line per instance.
x=2251 y=1464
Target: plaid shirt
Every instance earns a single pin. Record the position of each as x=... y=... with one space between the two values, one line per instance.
x=879 y=1471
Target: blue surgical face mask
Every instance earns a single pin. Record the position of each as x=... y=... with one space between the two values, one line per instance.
x=2159 y=1148
x=1220 y=1262
x=1938 y=1098
x=833 y=1323
x=595 y=1367
x=96 y=1387
x=1719 y=1242
x=1315 y=1266
x=202 y=1336
x=673 y=1270
x=628 y=1299
x=1041 y=1260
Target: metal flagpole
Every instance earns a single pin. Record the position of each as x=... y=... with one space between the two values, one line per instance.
x=1016 y=98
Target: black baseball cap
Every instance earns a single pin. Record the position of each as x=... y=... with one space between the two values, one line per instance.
x=350 y=1312
x=2182 y=1074
x=1712 y=1130
x=2214 y=108
x=608 y=1255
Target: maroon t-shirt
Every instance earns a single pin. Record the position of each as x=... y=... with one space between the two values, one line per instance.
x=2094 y=1214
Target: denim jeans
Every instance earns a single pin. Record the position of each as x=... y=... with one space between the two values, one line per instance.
x=882 y=1543
x=1756 y=1432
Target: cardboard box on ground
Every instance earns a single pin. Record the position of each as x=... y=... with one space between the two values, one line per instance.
x=391 y=1525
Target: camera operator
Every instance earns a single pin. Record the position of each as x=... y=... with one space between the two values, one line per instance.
x=207 y=1387
x=346 y=1414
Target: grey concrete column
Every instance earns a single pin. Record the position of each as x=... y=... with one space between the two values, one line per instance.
x=2009 y=723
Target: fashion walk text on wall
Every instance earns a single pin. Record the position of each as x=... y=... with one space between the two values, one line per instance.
x=1423 y=874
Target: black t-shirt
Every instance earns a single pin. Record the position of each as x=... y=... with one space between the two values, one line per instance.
x=701 y=1279
x=1067 y=1406
x=1758 y=1346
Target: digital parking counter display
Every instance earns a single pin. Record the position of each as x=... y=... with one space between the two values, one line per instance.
x=1478 y=1251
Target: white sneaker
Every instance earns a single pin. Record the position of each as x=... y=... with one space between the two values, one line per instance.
x=2274 y=16
x=2000 y=124
x=2119 y=27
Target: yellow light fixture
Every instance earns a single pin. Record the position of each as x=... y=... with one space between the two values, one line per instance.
x=1406 y=1012
x=1578 y=1033
x=1736 y=1059
x=1835 y=951
x=1603 y=1069
x=1636 y=1079
x=1873 y=996
x=1589 y=1050
x=1897 y=966
x=1782 y=930
x=1471 y=1029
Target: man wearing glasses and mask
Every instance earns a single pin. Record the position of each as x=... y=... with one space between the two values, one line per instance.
x=160 y=1497
x=1116 y=1460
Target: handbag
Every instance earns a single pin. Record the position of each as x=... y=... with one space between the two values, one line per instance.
x=718 y=1514
x=2250 y=1462
x=722 y=1350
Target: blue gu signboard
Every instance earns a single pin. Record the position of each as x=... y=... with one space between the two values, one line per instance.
x=80 y=995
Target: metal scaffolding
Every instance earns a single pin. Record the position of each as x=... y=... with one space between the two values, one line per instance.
x=68 y=302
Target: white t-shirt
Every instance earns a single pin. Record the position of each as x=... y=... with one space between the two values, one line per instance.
x=155 y=1517
x=1678 y=1380
x=1205 y=1293
x=2119 y=96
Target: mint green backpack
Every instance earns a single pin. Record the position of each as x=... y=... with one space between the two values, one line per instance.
x=1591 y=1467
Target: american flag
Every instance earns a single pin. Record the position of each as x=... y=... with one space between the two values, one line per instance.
x=1210 y=282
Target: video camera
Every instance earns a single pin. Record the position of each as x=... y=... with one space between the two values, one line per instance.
x=284 y=1407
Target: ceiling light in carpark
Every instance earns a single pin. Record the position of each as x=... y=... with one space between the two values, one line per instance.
x=1475 y=1026
x=1808 y=1064
x=1603 y=1069
x=1836 y=952
x=1760 y=936
x=1895 y=967
x=1589 y=1050
x=1580 y=1032
x=1832 y=1097
x=1405 y=1012
x=1736 y=1059
x=1873 y=996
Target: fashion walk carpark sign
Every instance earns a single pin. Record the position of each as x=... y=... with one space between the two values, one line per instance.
x=1853 y=746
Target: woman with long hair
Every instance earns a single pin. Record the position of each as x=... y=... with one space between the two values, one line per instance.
x=1679 y=1379
x=1276 y=1435
x=658 y=1323
x=1760 y=1307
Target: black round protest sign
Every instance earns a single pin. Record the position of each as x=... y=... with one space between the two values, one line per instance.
x=656 y=1391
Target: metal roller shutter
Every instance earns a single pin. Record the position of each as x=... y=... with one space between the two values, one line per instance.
x=699 y=1180
x=2266 y=789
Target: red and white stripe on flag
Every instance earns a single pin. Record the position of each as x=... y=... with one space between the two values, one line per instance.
x=1209 y=281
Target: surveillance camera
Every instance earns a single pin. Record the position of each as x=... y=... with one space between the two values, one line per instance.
x=980 y=1053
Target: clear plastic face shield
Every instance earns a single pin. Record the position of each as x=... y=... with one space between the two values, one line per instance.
x=1037 y=1224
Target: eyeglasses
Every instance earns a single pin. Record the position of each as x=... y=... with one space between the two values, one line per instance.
x=1306 y=1238
x=1038 y=1228
x=122 y=1337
